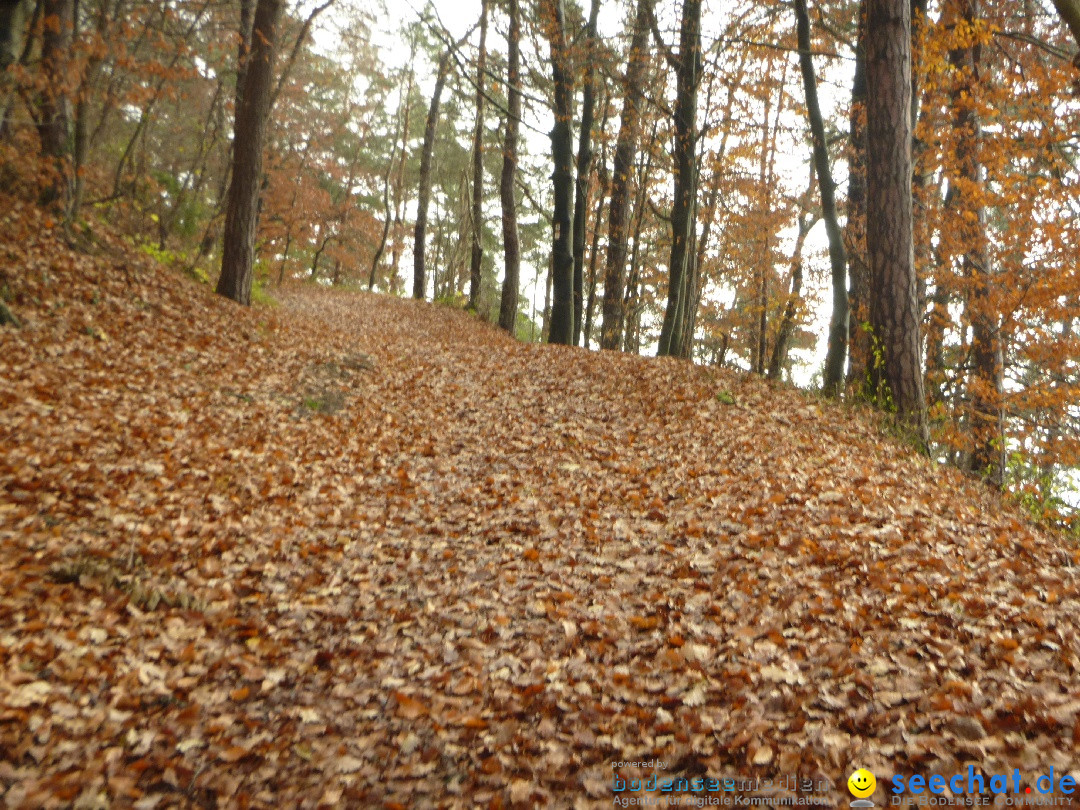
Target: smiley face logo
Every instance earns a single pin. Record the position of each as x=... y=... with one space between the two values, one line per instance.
x=861 y=783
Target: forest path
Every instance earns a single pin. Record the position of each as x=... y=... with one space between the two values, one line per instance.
x=358 y=550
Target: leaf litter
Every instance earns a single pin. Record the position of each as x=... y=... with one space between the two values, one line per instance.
x=473 y=572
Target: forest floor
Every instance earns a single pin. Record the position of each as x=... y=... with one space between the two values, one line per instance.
x=356 y=551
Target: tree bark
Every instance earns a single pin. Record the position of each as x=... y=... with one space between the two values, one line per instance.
x=1069 y=11
x=838 y=323
x=615 y=267
x=584 y=166
x=423 y=195
x=13 y=19
x=894 y=312
x=54 y=121
x=631 y=306
x=684 y=204
x=511 y=254
x=965 y=196
x=251 y=119
x=477 y=256
x=787 y=322
x=561 y=327
x=386 y=215
x=855 y=231
x=398 y=237
x=602 y=182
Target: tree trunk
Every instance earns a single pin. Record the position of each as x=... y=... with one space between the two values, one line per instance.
x=511 y=254
x=631 y=307
x=787 y=321
x=423 y=195
x=13 y=19
x=855 y=231
x=247 y=19
x=398 y=232
x=969 y=224
x=894 y=315
x=251 y=120
x=386 y=215
x=584 y=167
x=54 y=116
x=561 y=328
x=625 y=147
x=683 y=219
x=598 y=216
x=477 y=257
x=838 y=323
x=1069 y=11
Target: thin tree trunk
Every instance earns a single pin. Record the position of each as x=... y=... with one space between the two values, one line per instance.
x=251 y=120
x=386 y=209
x=598 y=216
x=630 y=304
x=424 y=190
x=584 y=166
x=683 y=208
x=477 y=257
x=859 y=350
x=511 y=254
x=838 y=323
x=787 y=321
x=894 y=305
x=54 y=118
x=625 y=147
x=965 y=195
x=561 y=327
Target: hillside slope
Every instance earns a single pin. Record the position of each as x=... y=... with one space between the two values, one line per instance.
x=358 y=551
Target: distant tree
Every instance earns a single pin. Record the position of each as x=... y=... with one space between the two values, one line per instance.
x=584 y=166
x=621 y=171
x=477 y=257
x=838 y=324
x=423 y=197
x=562 y=259
x=508 y=310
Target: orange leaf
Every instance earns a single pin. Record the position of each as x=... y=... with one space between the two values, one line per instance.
x=240 y=694
x=408 y=707
x=234 y=754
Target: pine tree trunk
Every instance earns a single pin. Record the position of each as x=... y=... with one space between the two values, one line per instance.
x=251 y=120
x=511 y=253
x=894 y=312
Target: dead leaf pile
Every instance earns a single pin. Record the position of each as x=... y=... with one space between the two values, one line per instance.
x=460 y=570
